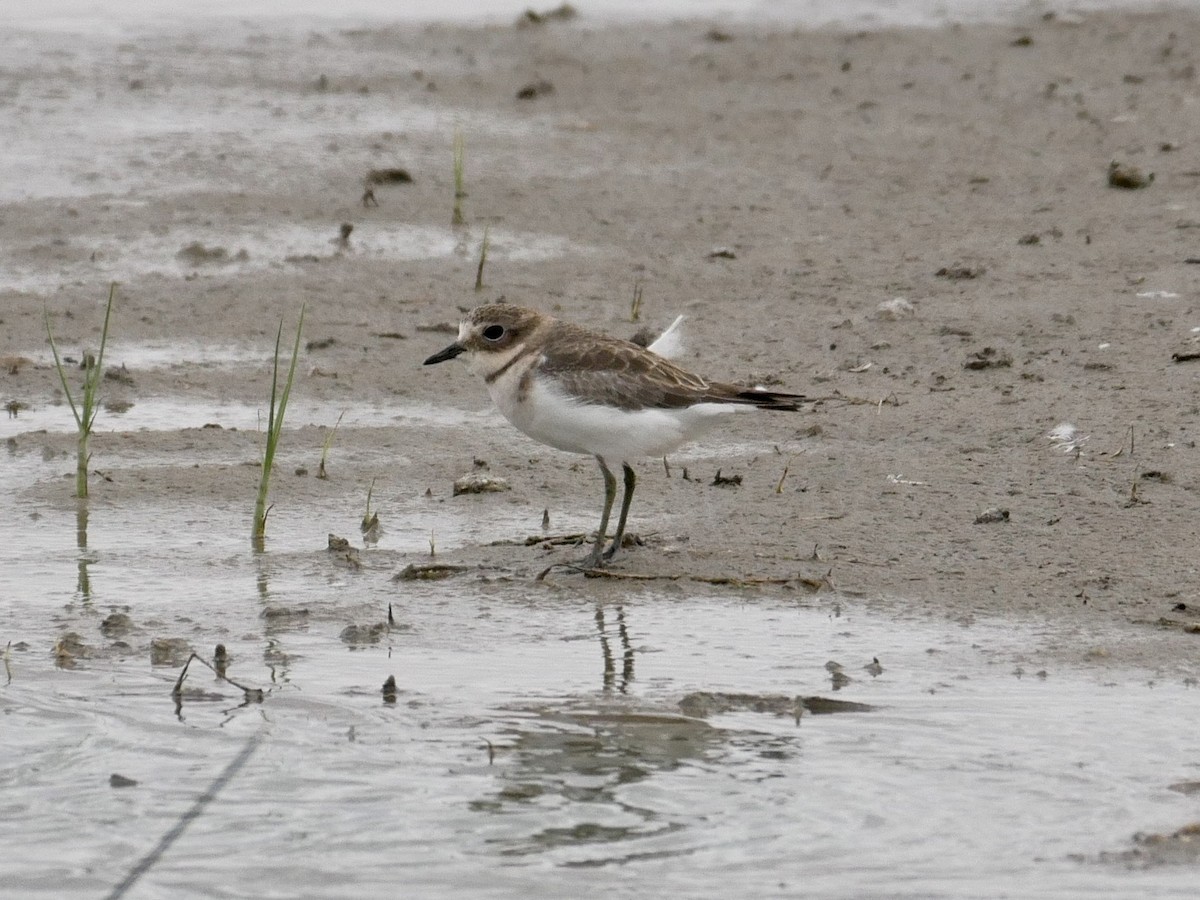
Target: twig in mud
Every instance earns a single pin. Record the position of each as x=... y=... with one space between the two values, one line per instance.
x=550 y=540
x=865 y=562
x=147 y=862
x=7 y=662
x=813 y=584
x=253 y=695
x=1134 y=499
x=635 y=309
x=1121 y=451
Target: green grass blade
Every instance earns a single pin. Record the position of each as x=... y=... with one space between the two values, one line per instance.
x=62 y=373
x=272 y=433
x=287 y=387
x=91 y=380
x=275 y=415
x=85 y=410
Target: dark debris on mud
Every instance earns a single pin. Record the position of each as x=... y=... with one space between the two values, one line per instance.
x=1151 y=849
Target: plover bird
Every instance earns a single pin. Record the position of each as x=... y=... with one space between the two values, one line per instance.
x=584 y=392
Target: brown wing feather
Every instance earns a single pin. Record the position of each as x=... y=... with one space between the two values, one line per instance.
x=622 y=374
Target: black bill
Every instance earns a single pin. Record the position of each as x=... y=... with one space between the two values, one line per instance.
x=449 y=353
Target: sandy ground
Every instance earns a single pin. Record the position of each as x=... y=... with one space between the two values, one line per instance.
x=964 y=169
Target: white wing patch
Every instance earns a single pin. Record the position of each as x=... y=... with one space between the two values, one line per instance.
x=669 y=344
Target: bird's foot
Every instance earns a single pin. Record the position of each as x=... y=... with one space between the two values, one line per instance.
x=596 y=559
x=626 y=540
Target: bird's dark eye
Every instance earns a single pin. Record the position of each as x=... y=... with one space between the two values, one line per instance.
x=493 y=332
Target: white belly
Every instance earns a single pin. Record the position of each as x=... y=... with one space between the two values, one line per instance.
x=549 y=416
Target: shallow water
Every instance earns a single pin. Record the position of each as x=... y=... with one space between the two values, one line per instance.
x=977 y=773
x=812 y=13
x=168 y=413
x=229 y=252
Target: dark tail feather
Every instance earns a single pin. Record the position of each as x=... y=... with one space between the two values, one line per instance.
x=771 y=399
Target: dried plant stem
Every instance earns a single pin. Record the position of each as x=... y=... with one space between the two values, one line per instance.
x=483 y=250
x=460 y=192
x=328 y=442
x=787 y=465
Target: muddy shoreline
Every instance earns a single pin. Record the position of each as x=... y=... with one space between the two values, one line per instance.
x=964 y=169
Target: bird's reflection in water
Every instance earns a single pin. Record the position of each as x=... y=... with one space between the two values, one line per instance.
x=610 y=668
x=577 y=777
x=582 y=781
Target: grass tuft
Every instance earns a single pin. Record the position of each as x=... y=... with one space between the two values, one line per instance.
x=85 y=410
x=278 y=407
x=370 y=520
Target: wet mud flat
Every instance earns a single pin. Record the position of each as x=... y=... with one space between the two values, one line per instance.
x=509 y=735
x=932 y=635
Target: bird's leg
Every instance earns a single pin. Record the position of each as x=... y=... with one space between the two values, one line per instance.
x=595 y=558
x=630 y=481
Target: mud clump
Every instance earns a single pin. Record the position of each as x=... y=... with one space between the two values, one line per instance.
x=197 y=254
x=393 y=175
x=69 y=648
x=357 y=635
x=428 y=572
x=1127 y=177
x=988 y=358
x=480 y=483
x=116 y=625
x=169 y=651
